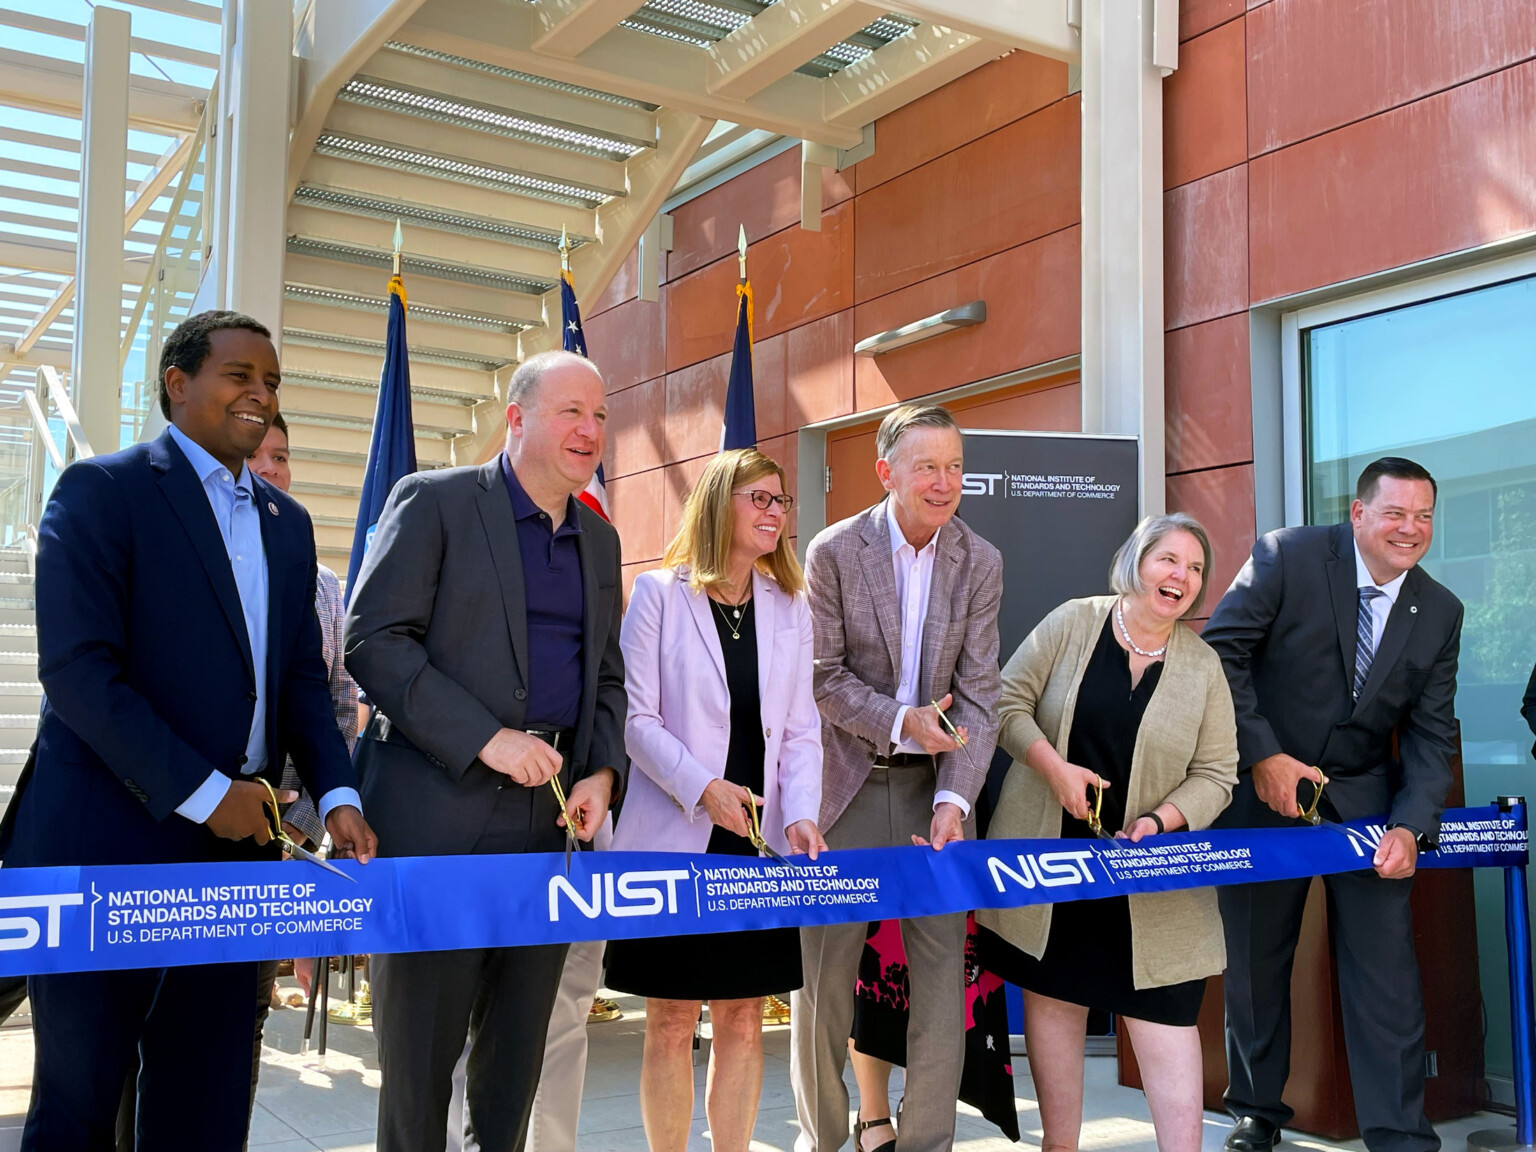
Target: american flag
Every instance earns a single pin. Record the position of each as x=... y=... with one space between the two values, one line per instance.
x=573 y=339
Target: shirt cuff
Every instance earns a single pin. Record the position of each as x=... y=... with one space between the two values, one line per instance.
x=944 y=796
x=335 y=798
x=200 y=805
x=901 y=718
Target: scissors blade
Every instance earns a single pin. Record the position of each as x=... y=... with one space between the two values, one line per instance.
x=772 y=855
x=305 y=854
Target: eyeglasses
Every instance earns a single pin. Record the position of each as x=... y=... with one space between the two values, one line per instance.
x=762 y=499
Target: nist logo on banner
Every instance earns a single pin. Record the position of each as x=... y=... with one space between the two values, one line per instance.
x=31 y=931
x=979 y=483
x=1047 y=870
x=642 y=893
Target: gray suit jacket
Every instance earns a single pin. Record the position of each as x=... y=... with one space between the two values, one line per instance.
x=437 y=637
x=851 y=582
x=1285 y=632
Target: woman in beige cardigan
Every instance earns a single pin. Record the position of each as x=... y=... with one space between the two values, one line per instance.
x=1110 y=694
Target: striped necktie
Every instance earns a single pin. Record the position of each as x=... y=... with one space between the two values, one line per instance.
x=1365 y=636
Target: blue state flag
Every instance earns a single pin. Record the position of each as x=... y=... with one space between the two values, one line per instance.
x=392 y=453
x=740 y=428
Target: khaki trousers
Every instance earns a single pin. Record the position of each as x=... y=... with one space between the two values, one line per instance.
x=892 y=806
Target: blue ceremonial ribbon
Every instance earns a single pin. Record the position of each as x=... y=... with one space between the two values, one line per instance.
x=162 y=915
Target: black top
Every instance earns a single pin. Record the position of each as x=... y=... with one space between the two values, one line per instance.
x=552 y=599
x=744 y=758
x=1104 y=726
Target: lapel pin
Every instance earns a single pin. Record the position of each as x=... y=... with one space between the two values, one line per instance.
x=272 y=508
x=1414 y=608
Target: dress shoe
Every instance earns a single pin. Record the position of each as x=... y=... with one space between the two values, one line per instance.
x=1252 y=1134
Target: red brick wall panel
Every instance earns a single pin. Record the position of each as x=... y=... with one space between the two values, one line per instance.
x=819 y=371
x=1222 y=500
x=633 y=500
x=1015 y=185
x=1197 y=16
x=628 y=343
x=1207 y=395
x=1205 y=248
x=1314 y=65
x=1205 y=126
x=1449 y=172
x=637 y=421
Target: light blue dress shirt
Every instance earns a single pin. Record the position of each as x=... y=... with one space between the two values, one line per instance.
x=234 y=508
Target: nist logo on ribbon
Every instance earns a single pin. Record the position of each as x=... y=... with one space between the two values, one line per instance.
x=1048 y=869
x=643 y=889
x=31 y=931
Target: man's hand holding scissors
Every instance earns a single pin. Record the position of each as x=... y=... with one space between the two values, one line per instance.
x=588 y=803
x=948 y=821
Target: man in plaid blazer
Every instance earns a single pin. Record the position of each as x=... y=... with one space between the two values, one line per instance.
x=904 y=601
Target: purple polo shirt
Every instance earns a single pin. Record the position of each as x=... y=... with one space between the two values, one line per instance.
x=553 y=600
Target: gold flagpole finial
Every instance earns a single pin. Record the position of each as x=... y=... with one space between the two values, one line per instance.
x=741 y=251
x=399 y=243
x=565 y=249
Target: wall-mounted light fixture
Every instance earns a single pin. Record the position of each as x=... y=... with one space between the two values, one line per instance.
x=964 y=316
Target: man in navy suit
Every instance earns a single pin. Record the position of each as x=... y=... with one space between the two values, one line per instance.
x=180 y=656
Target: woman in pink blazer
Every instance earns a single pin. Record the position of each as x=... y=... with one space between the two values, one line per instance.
x=718 y=665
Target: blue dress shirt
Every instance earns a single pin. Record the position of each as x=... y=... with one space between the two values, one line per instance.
x=553 y=598
x=234 y=508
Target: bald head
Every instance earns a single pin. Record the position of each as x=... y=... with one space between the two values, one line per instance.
x=531 y=372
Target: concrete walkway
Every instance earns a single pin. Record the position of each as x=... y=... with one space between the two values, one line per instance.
x=304 y=1104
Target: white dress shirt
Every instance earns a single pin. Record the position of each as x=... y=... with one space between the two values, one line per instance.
x=234 y=508
x=914 y=579
x=1381 y=606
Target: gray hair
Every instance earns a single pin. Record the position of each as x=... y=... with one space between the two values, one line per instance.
x=1125 y=568
x=903 y=418
x=526 y=379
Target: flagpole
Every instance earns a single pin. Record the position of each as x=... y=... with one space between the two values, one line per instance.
x=565 y=249
x=399 y=243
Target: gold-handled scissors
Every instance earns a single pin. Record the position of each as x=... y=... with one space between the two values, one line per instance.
x=572 y=819
x=294 y=849
x=755 y=835
x=1311 y=815
x=962 y=741
x=1094 y=823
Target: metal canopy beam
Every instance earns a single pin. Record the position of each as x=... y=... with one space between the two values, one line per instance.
x=48 y=85
x=76 y=32
x=626 y=63
x=1038 y=26
x=913 y=65
x=780 y=39
x=570 y=27
x=56 y=257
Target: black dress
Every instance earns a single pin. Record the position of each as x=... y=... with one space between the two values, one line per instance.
x=1087 y=956
x=720 y=965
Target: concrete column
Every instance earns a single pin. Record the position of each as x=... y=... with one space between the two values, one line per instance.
x=95 y=371
x=253 y=187
x=1123 y=231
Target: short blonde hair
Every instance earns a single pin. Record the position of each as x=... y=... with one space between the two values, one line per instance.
x=703 y=543
x=1125 y=568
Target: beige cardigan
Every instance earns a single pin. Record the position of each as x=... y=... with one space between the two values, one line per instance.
x=1186 y=755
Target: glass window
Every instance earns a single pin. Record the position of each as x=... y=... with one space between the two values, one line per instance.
x=1451 y=383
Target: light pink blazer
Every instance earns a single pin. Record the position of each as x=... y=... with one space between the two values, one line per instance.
x=679 y=721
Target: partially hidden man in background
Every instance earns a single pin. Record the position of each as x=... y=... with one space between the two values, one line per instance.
x=180 y=656
x=904 y=599
x=485 y=629
x=1333 y=639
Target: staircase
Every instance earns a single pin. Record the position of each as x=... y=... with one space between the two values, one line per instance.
x=20 y=693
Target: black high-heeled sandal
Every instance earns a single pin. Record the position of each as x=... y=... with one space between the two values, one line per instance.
x=860 y=1127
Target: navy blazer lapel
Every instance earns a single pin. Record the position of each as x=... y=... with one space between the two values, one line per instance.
x=275 y=553
x=185 y=493
x=880 y=573
x=495 y=506
x=1394 y=637
x=1344 y=591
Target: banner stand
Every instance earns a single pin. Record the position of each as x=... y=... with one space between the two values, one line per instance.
x=1522 y=1010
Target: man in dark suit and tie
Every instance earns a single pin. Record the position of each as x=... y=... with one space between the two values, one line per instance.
x=180 y=659
x=485 y=629
x=1333 y=639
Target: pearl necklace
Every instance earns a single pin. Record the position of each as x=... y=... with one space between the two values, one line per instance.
x=1126 y=636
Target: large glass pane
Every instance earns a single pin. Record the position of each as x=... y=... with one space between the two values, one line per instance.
x=1451 y=383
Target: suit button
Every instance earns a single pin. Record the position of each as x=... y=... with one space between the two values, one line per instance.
x=243 y=760
x=520 y=694
x=767 y=733
x=251 y=696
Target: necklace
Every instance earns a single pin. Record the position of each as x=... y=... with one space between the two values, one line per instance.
x=732 y=619
x=1126 y=636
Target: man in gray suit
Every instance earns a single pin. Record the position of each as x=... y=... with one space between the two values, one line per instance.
x=485 y=629
x=1333 y=639
x=904 y=601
